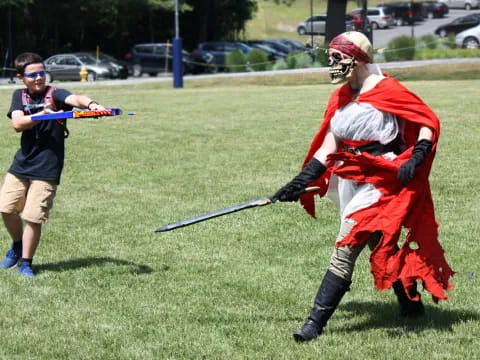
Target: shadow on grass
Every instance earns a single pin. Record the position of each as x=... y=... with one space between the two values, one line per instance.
x=91 y=262
x=379 y=315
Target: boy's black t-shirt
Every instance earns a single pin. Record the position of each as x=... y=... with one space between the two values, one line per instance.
x=42 y=151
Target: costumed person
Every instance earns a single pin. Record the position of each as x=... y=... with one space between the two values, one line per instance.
x=375 y=148
x=30 y=184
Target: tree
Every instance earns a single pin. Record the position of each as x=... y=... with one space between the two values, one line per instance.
x=53 y=26
x=336 y=10
x=216 y=19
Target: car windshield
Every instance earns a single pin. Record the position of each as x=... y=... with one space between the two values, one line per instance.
x=87 y=59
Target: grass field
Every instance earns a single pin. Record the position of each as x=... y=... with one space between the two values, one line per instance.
x=236 y=287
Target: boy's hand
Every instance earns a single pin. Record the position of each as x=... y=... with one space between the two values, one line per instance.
x=94 y=106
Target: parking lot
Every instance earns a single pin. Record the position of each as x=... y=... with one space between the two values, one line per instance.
x=382 y=37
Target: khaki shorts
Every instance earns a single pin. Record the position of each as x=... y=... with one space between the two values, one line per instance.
x=32 y=198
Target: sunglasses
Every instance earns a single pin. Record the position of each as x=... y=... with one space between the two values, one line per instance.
x=34 y=74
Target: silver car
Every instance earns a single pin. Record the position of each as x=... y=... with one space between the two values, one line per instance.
x=379 y=17
x=469 y=38
x=462 y=4
x=68 y=67
x=316 y=25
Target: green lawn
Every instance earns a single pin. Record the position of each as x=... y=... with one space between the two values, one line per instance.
x=235 y=287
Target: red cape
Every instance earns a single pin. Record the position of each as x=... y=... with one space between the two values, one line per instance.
x=409 y=206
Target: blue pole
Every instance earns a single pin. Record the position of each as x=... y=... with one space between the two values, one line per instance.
x=177 y=63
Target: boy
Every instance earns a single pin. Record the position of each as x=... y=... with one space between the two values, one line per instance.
x=31 y=182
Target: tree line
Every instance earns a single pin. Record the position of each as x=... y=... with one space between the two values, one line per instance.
x=53 y=26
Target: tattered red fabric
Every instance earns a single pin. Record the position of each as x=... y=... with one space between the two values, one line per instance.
x=408 y=206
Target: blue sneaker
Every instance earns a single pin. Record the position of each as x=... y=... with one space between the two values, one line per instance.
x=11 y=259
x=26 y=270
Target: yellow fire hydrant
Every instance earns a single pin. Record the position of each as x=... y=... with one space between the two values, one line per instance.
x=83 y=74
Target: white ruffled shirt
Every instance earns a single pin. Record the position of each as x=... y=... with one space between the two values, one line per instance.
x=360 y=121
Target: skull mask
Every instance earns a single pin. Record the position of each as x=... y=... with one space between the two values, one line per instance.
x=341 y=66
x=346 y=51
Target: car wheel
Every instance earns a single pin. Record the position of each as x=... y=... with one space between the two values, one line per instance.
x=468 y=7
x=471 y=43
x=301 y=30
x=48 y=77
x=91 y=76
x=399 y=22
x=443 y=33
x=430 y=15
x=137 y=70
x=374 y=25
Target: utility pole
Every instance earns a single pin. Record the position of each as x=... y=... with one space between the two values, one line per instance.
x=413 y=19
x=366 y=28
x=177 y=53
x=311 y=23
x=10 y=47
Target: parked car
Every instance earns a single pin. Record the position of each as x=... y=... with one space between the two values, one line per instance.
x=462 y=4
x=273 y=54
x=405 y=12
x=358 y=21
x=120 y=66
x=435 y=9
x=219 y=51
x=458 y=25
x=469 y=38
x=68 y=67
x=294 y=45
x=154 y=58
x=379 y=17
x=316 y=25
x=277 y=45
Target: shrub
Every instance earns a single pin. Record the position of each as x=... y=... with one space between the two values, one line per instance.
x=400 y=48
x=280 y=64
x=429 y=41
x=321 y=56
x=299 y=60
x=449 y=41
x=258 y=60
x=236 y=61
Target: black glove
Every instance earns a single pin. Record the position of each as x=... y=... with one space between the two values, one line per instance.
x=420 y=151
x=292 y=191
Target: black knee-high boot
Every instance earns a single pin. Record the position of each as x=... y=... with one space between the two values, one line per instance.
x=328 y=297
x=408 y=308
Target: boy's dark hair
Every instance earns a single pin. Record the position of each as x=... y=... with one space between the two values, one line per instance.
x=25 y=59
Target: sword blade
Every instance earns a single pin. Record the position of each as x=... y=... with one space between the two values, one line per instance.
x=214 y=214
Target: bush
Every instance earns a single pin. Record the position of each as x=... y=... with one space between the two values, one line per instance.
x=400 y=49
x=280 y=64
x=258 y=60
x=321 y=56
x=429 y=41
x=299 y=60
x=449 y=41
x=236 y=61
